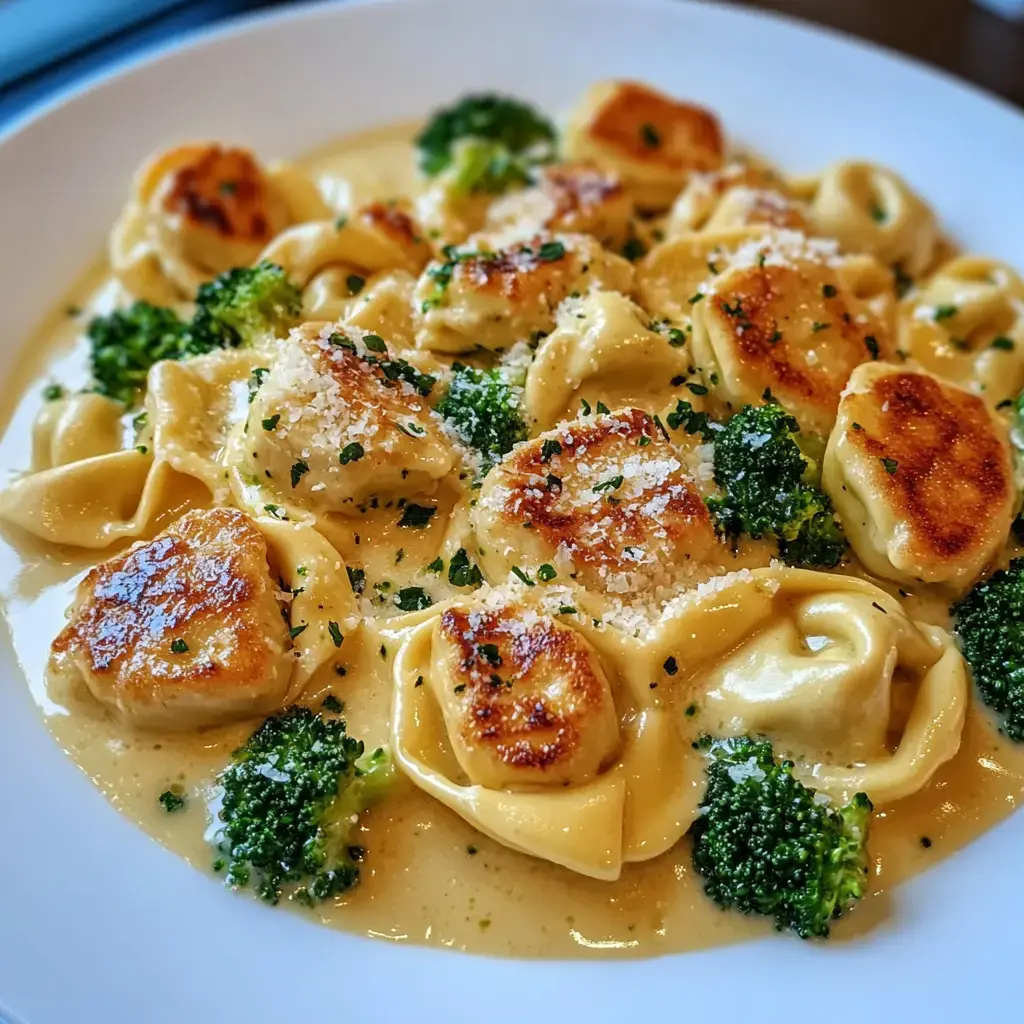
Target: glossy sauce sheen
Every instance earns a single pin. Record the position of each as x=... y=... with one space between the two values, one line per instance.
x=428 y=876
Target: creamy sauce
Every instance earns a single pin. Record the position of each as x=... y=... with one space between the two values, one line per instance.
x=428 y=876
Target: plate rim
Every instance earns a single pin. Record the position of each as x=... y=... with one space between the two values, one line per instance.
x=547 y=977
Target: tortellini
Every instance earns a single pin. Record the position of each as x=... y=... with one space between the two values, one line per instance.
x=478 y=298
x=697 y=206
x=830 y=668
x=920 y=472
x=966 y=324
x=200 y=209
x=93 y=493
x=574 y=198
x=603 y=349
x=335 y=421
x=332 y=259
x=870 y=209
x=186 y=630
x=514 y=720
x=786 y=315
x=605 y=500
x=651 y=140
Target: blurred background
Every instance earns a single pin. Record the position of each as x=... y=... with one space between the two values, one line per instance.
x=45 y=45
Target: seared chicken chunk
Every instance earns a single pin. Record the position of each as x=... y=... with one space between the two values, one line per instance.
x=184 y=630
x=525 y=698
x=920 y=472
x=606 y=500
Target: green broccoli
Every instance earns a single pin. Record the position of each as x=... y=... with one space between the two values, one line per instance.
x=766 y=844
x=770 y=487
x=490 y=142
x=242 y=306
x=290 y=798
x=127 y=342
x=990 y=624
x=483 y=408
x=236 y=308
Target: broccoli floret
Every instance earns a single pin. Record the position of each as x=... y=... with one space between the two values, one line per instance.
x=127 y=342
x=242 y=306
x=491 y=143
x=484 y=411
x=770 y=487
x=290 y=797
x=990 y=624
x=765 y=845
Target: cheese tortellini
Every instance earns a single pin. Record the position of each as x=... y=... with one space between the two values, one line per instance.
x=572 y=198
x=966 y=324
x=830 y=669
x=605 y=500
x=920 y=472
x=186 y=630
x=200 y=209
x=603 y=349
x=651 y=140
x=478 y=298
x=870 y=209
x=516 y=721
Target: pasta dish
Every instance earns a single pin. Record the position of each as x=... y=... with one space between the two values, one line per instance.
x=533 y=540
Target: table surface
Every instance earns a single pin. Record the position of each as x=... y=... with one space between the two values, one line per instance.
x=955 y=35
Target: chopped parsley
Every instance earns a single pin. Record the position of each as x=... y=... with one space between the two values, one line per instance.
x=522 y=576
x=1003 y=343
x=890 y=466
x=413 y=599
x=375 y=343
x=437 y=565
x=650 y=135
x=352 y=452
x=356 y=579
x=612 y=484
x=297 y=630
x=416 y=516
x=828 y=290
x=179 y=647
x=331 y=703
x=550 y=252
x=549 y=449
x=272 y=421
x=461 y=571
x=299 y=468
x=171 y=802
x=53 y=392
x=335 y=630
x=945 y=313
x=355 y=283
x=256 y=379
x=546 y=573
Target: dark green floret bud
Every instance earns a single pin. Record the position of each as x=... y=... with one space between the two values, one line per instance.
x=989 y=623
x=764 y=843
x=483 y=408
x=242 y=306
x=770 y=488
x=291 y=798
x=488 y=143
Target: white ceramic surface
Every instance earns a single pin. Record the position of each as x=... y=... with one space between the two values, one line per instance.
x=97 y=922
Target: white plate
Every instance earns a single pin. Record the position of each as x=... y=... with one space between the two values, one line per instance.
x=98 y=923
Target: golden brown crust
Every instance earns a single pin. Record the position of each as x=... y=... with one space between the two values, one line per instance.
x=616 y=530
x=505 y=665
x=793 y=331
x=397 y=225
x=650 y=128
x=205 y=575
x=941 y=459
x=521 y=273
x=579 y=192
x=224 y=191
